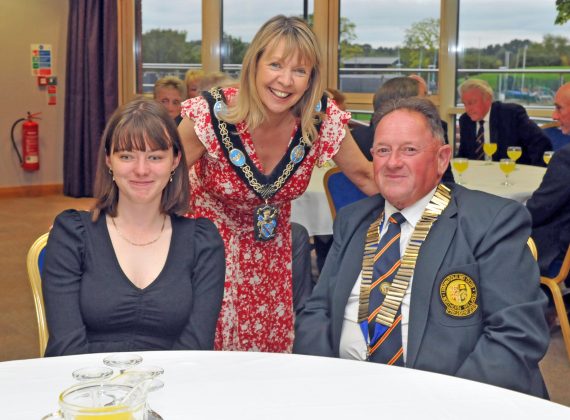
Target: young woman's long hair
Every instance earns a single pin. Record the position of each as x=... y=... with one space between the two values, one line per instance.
x=140 y=125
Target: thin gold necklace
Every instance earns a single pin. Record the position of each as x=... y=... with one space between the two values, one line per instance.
x=134 y=243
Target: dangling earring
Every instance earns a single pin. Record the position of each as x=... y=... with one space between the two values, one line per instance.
x=111 y=173
x=171 y=175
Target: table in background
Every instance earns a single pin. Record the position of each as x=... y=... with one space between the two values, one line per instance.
x=222 y=385
x=312 y=208
x=481 y=176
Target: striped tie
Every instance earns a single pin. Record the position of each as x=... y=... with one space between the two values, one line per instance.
x=479 y=153
x=385 y=344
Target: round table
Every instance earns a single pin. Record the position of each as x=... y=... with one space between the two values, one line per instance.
x=234 y=385
x=486 y=176
x=312 y=208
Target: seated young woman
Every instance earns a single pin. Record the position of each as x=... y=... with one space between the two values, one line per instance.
x=133 y=274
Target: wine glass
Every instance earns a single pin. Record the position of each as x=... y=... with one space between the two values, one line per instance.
x=92 y=373
x=507 y=166
x=547 y=156
x=122 y=361
x=514 y=152
x=490 y=149
x=460 y=165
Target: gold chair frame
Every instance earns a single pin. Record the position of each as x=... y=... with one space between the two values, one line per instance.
x=550 y=125
x=328 y=174
x=553 y=285
x=35 y=279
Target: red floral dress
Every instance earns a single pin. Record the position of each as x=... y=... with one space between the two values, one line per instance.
x=257 y=310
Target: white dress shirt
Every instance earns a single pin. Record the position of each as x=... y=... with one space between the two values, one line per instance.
x=352 y=342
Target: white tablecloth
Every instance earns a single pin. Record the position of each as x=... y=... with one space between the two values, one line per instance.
x=233 y=385
x=488 y=178
x=312 y=208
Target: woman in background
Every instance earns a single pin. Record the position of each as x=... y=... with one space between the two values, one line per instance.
x=133 y=274
x=253 y=150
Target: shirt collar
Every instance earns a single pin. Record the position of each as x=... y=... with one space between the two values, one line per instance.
x=412 y=213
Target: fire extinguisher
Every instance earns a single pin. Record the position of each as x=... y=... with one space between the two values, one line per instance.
x=30 y=156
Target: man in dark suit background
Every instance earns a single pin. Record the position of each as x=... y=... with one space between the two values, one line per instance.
x=506 y=124
x=471 y=307
x=549 y=205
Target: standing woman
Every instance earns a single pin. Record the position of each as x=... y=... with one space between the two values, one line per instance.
x=252 y=152
x=133 y=274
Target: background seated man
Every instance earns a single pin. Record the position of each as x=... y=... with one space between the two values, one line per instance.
x=549 y=206
x=396 y=88
x=170 y=92
x=506 y=124
x=464 y=300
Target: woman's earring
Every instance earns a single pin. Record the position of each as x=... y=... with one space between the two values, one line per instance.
x=111 y=173
x=171 y=175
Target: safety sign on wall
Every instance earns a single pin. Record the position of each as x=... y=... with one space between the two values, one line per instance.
x=42 y=60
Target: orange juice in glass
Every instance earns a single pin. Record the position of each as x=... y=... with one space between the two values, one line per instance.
x=507 y=166
x=514 y=152
x=490 y=149
x=460 y=165
x=547 y=156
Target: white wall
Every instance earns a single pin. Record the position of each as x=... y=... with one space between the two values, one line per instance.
x=25 y=22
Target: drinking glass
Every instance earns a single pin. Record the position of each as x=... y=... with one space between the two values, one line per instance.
x=122 y=361
x=490 y=149
x=460 y=165
x=507 y=166
x=547 y=156
x=92 y=373
x=514 y=152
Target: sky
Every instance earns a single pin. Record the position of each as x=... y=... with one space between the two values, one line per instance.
x=378 y=22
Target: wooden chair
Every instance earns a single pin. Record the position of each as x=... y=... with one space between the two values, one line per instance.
x=532 y=245
x=554 y=285
x=340 y=190
x=34 y=262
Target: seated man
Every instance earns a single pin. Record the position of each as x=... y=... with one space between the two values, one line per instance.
x=549 y=206
x=464 y=300
x=506 y=124
x=170 y=92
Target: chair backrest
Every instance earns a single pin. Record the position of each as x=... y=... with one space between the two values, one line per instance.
x=340 y=190
x=556 y=136
x=34 y=263
x=532 y=245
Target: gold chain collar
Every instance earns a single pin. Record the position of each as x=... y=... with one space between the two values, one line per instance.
x=397 y=289
x=264 y=190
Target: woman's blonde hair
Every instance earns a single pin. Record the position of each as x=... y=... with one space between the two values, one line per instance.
x=298 y=38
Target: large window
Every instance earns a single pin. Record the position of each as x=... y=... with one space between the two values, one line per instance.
x=171 y=39
x=516 y=47
x=242 y=19
x=382 y=39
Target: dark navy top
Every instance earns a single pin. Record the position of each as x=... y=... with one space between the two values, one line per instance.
x=91 y=305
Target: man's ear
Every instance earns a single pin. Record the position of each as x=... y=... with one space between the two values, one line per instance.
x=443 y=158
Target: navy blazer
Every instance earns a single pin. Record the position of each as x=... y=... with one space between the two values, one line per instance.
x=510 y=126
x=549 y=207
x=478 y=234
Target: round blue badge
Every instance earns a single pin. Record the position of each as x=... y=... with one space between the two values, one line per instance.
x=297 y=154
x=237 y=157
x=220 y=108
x=318 y=107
